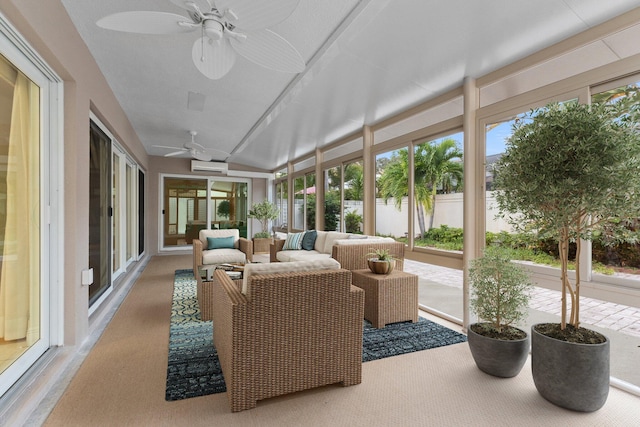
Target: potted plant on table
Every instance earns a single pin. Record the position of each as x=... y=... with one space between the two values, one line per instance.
x=500 y=298
x=380 y=261
x=264 y=212
x=569 y=170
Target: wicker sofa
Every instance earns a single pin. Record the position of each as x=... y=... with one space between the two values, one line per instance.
x=350 y=252
x=286 y=332
x=241 y=252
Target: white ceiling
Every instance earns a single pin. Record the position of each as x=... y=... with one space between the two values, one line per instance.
x=366 y=60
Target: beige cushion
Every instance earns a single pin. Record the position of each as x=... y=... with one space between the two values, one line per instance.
x=368 y=241
x=310 y=256
x=299 y=255
x=220 y=256
x=219 y=233
x=332 y=236
x=320 y=239
x=284 y=267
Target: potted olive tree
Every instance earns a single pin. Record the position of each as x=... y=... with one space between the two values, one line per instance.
x=568 y=170
x=500 y=297
x=264 y=212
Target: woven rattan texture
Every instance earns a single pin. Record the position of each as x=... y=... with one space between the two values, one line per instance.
x=298 y=331
x=389 y=298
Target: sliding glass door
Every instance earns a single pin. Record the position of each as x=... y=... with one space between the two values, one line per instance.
x=114 y=224
x=24 y=304
x=99 y=211
x=192 y=204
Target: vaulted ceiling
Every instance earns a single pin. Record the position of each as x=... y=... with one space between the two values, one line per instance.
x=365 y=61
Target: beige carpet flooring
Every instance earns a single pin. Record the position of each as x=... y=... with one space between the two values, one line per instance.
x=122 y=383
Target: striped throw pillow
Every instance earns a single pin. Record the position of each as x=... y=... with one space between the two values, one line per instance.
x=293 y=242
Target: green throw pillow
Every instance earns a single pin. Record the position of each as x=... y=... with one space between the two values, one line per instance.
x=220 y=242
x=309 y=240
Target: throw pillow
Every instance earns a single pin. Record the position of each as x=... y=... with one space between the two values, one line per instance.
x=220 y=242
x=293 y=242
x=309 y=240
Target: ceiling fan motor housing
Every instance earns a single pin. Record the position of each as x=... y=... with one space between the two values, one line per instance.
x=213 y=29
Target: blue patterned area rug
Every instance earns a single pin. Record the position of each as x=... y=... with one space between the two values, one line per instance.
x=194 y=369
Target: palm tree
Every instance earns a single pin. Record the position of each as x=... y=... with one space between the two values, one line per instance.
x=438 y=167
x=353 y=182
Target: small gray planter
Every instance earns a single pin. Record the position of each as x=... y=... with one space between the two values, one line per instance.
x=572 y=376
x=500 y=358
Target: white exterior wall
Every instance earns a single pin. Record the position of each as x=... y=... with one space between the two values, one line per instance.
x=390 y=221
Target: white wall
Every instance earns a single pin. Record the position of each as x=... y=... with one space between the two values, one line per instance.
x=448 y=212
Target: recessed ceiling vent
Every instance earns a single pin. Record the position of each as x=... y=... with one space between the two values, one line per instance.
x=212 y=167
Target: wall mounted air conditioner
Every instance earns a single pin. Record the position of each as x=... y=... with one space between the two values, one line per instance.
x=214 y=167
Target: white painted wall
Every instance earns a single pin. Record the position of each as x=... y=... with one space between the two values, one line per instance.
x=448 y=211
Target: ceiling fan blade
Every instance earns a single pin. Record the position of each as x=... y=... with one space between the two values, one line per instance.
x=216 y=60
x=203 y=5
x=146 y=22
x=268 y=49
x=256 y=15
x=175 y=153
x=201 y=155
x=165 y=146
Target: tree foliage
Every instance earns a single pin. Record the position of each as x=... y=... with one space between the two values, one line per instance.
x=264 y=212
x=438 y=168
x=500 y=289
x=570 y=170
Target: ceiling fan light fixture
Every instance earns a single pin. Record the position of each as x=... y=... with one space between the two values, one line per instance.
x=213 y=29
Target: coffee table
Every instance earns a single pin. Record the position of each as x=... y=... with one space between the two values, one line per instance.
x=233 y=273
x=388 y=298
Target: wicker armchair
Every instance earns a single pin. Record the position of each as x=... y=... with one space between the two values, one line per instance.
x=242 y=253
x=296 y=331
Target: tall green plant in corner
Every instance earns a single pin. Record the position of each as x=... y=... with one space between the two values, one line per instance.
x=567 y=172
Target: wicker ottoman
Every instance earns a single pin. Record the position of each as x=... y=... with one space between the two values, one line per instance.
x=388 y=298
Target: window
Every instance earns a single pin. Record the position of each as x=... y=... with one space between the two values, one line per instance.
x=353 y=196
x=332 y=198
x=438 y=180
x=343 y=197
x=392 y=191
x=282 y=203
x=298 y=203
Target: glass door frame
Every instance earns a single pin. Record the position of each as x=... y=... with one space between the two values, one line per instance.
x=20 y=54
x=209 y=179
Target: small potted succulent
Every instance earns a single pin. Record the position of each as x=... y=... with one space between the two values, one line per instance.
x=500 y=296
x=380 y=261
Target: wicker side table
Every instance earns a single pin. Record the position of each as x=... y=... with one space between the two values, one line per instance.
x=388 y=298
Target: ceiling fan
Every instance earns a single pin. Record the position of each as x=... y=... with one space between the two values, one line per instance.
x=196 y=150
x=227 y=27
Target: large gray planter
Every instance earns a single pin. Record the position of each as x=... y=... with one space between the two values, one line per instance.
x=500 y=358
x=572 y=376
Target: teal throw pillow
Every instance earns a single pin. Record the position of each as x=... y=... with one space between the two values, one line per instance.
x=220 y=242
x=309 y=240
x=293 y=242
